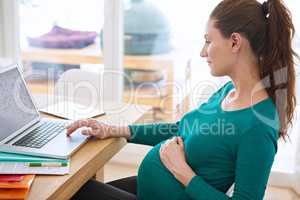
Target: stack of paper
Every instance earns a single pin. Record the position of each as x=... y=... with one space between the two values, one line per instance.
x=15 y=187
x=23 y=164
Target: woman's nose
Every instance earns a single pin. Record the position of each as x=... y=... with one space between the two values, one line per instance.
x=203 y=52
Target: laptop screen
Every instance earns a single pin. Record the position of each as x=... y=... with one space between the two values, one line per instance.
x=16 y=107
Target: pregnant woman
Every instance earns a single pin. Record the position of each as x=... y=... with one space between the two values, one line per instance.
x=231 y=138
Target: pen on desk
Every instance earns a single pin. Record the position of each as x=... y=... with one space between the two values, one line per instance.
x=35 y=164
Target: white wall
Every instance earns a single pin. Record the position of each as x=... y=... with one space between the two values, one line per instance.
x=9 y=30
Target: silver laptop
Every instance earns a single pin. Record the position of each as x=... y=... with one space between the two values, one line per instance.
x=22 y=130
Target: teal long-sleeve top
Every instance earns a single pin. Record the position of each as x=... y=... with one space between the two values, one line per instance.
x=222 y=148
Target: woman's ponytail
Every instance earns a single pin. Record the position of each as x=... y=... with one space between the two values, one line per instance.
x=277 y=61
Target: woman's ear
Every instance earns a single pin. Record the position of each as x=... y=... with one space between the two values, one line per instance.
x=236 y=42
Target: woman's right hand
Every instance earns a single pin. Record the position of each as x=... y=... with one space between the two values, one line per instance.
x=98 y=129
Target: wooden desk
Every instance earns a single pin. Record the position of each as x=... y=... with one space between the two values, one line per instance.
x=90 y=158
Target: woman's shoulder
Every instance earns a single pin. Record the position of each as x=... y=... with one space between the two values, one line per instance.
x=265 y=115
x=261 y=125
x=260 y=134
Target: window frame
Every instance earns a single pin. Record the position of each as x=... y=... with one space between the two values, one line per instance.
x=9 y=31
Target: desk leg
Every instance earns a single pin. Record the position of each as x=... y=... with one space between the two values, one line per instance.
x=99 y=176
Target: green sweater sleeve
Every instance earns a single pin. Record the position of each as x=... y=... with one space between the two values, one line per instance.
x=256 y=151
x=152 y=134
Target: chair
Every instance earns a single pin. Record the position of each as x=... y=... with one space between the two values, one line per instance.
x=80 y=86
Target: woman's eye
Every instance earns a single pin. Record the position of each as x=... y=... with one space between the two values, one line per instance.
x=207 y=42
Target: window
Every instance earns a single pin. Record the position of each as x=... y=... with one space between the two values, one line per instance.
x=57 y=36
x=50 y=29
x=160 y=40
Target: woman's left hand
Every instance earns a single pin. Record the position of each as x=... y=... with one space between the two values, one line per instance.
x=173 y=157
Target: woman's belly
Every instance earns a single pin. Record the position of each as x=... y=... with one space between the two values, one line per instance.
x=155 y=181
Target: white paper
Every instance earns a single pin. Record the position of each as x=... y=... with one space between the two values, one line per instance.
x=23 y=168
x=72 y=111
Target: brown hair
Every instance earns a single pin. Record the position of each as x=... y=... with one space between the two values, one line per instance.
x=269 y=30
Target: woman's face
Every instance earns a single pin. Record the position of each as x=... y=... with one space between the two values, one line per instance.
x=218 y=51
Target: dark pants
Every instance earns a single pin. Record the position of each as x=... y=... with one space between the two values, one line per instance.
x=122 y=189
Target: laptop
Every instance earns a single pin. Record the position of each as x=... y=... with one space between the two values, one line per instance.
x=23 y=130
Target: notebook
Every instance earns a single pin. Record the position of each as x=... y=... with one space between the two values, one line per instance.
x=23 y=184
x=20 y=164
x=11 y=178
x=16 y=190
x=13 y=193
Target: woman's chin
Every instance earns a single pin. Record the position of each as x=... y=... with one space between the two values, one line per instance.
x=212 y=73
x=215 y=73
x=213 y=70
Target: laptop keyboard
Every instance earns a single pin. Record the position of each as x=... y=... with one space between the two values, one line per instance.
x=41 y=135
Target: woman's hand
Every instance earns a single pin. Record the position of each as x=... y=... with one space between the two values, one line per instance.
x=97 y=129
x=173 y=157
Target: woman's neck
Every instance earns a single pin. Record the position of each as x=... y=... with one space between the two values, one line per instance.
x=248 y=84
